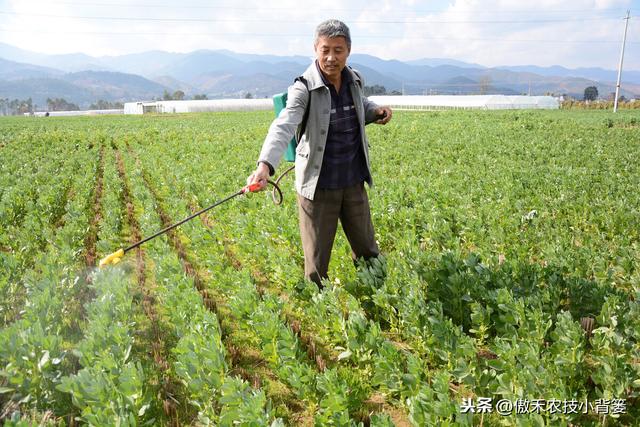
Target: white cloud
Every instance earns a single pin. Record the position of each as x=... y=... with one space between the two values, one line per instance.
x=490 y=32
x=542 y=32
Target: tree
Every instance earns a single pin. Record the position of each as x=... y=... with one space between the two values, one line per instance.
x=248 y=96
x=16 y=106
x=61 y=104
x=175 y=96
x=199 y=97
x=26 y=107
x=106 y=105
x=374 y=90
x=591 y=93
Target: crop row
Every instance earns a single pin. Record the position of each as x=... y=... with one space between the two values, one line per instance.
x=198 y=357
x=45 y=290
x=38 y=214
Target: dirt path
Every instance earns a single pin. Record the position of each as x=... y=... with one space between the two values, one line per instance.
x=156 y=339
x=96 y=215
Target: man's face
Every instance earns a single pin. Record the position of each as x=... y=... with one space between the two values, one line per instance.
x=332 y=54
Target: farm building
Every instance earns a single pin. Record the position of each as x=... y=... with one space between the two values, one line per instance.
x=75 y=113
x=481 y=102
x=198 y=106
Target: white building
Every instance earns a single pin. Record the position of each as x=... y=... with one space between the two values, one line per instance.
x=75 y=113
x=198 y=106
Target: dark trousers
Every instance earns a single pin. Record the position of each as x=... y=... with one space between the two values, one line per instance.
x=319 y=221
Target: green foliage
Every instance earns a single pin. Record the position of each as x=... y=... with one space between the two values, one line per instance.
x=614 y=372
x=343 y=391
x=591 y=93
x=200 y=365
x=432 y=405
x=500 y=231
x=61 y=104
x=109 y=386
x=242 y=405
x=106 y=105
x=108 y=396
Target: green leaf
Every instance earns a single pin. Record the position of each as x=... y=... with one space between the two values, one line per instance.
x=345 y=355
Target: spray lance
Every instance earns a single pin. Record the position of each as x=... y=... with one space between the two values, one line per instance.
x=116 y=257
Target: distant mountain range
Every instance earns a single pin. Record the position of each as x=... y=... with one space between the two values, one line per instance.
x=84 y=79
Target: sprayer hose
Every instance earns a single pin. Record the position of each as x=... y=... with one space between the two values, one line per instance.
x=276 y=188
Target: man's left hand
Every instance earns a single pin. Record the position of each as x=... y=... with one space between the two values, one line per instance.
x=384 y=114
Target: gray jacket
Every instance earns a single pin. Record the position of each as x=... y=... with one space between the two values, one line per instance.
x=311 y=146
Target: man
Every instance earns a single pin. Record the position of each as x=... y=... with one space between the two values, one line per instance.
x=332 y=157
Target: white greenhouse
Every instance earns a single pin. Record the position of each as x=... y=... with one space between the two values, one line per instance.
x=198 y=106
x=407 y=102
x=75 y=113
x=483 y=102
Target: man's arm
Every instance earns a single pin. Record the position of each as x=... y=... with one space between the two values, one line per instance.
x=280 y=132
x=373 y=113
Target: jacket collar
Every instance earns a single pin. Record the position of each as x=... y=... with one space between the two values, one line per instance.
x=315 y=80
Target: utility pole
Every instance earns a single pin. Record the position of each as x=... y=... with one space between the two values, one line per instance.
x=624 y=39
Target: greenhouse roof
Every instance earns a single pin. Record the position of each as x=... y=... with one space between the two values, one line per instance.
x=489 y=102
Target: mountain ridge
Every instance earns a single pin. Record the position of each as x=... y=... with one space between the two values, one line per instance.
x=224 y=73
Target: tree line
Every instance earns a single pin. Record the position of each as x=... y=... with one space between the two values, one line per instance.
x=591 y=94
x=15 y=106
x=179 y=95
x=12 y=107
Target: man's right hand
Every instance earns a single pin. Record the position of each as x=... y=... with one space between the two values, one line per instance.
x=260 y=175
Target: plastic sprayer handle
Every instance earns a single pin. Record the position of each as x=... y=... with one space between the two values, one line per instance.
x=251 y=188
x=112 y=259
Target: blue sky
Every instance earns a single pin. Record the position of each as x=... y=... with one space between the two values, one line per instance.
x=576 y=33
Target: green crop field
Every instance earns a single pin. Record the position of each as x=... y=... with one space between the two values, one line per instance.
x=508 y=294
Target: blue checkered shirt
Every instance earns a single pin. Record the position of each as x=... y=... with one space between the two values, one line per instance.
x=343 y=163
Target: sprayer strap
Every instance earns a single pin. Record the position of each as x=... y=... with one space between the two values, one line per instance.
x=302 y=127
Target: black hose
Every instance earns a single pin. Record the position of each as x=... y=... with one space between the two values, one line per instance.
x=276 y=187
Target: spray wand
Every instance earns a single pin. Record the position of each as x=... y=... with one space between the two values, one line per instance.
x=116 y=257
